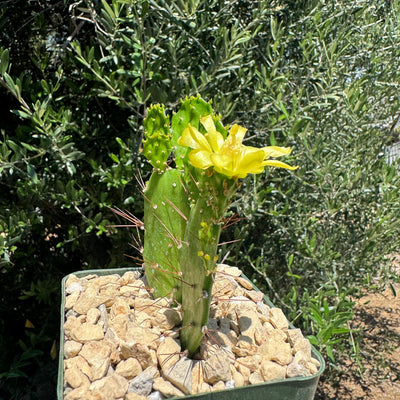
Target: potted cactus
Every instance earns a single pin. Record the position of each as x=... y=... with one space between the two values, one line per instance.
x=185 y=201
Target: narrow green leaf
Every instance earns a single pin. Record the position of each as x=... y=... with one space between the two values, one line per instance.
x=45 y=86
x=4 y=61
x=21 y=114
x=90 y=55
x=75 y=155
x=272 y=139
x=10 y=83
x=122 y=144
x=329 y=352
x=114 y=158
x=29 y=147
x=109 y=10
x=32 y=173
x=13 y=146
x=313 y=240
x=284 y=110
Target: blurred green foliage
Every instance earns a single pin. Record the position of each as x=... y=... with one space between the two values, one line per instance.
x=75 y=80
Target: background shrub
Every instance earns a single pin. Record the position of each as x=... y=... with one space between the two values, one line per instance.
x=76 y=79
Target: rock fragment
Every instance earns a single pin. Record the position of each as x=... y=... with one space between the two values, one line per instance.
x=111 y=387
x=168 y=353
x=294 y=369
x=88 y=299
x=71 y=348
x=76 y=378
x=217 y=368
x=141 y=384
x=166 y=388
x=271 y=371
x=92 y=316
x=276 y=350
x=97 y=354
x=87 y=332
x=180 y=374
x=129 y=368
x=278 y=319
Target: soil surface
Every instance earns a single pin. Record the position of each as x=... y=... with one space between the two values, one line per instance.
x=377 y=317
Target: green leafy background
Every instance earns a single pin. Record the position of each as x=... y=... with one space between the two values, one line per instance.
x=75 y=81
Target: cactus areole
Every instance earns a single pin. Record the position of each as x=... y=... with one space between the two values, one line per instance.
x=185 y=205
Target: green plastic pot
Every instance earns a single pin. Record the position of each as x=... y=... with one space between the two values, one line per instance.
x=299 y=388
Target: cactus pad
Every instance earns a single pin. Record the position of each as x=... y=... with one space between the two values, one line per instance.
x=157 y=142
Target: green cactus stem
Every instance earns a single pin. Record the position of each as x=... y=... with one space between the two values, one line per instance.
x=166 y=210
x=198 y=261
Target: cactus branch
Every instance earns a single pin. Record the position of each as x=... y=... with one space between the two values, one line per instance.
x=198 y=262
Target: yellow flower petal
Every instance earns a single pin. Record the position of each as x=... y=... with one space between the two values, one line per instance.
x=279 y=164
x=192 y=138
x=251 y=162
x=200 y=159
x=245 y=162
x=221 y=161
x=215 y=139
x=276 y=151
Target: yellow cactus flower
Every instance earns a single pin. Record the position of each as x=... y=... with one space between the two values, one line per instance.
x=229 y=156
